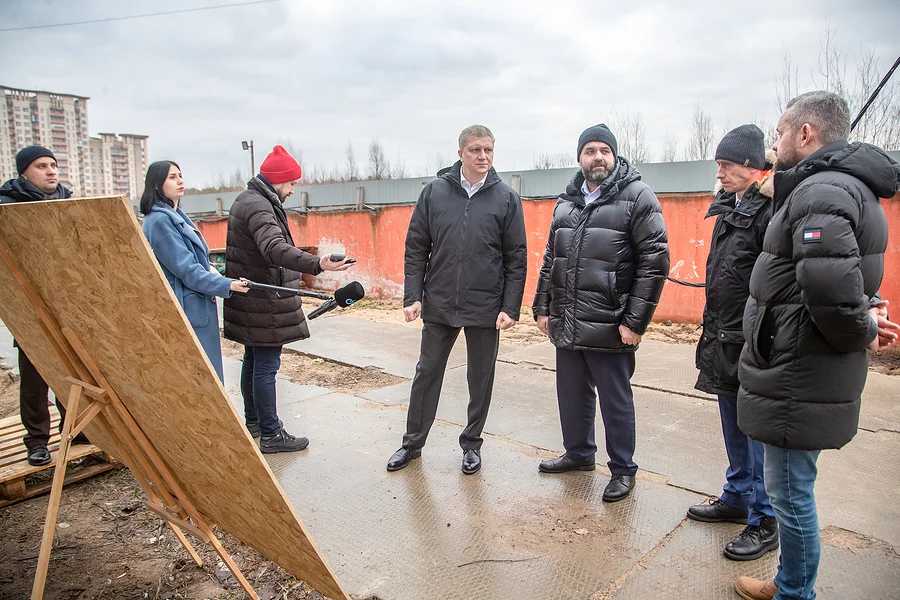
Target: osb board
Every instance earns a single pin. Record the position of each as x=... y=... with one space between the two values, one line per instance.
x=95 y=272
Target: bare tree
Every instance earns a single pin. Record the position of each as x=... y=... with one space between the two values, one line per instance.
x=832 y=65
x=632 y=137
x=292 y=149
x=560 y=160
x=398 y=169
x=786 y=86
x=237 y=179
x=670 y=148
x=700 y=145
x=880 y=125
x=379 y=166
x=352 y=171
x=769 y=133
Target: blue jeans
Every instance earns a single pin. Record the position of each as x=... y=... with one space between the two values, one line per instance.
x=261 y=364
x=790 y=479
x=744 y=487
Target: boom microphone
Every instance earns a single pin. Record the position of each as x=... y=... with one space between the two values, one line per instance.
x=343 y=297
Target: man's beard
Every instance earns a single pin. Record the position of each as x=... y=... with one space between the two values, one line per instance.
x=786 y=158
x=597 y=173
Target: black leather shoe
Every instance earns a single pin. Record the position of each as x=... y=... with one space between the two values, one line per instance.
x=38 y=456
x=471 y=462
x=402 y=457
x=282 y=442
x=566 y=463
x=254 y=430
x=754 y=541
x=81 y=439
x=618 y=487
x=716 y=511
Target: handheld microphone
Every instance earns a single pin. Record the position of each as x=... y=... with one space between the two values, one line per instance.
x=343 y=297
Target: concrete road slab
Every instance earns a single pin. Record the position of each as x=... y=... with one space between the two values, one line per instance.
x=362 y=343
x=431 y=532
x=691 y=565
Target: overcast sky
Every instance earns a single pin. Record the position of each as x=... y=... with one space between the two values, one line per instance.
x=414 y=73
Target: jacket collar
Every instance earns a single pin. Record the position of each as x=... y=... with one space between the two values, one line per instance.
x=454 y=173
x=183 y=223
x=22 y=190
x=754 y=199
x=264 y=188
x=624 y=174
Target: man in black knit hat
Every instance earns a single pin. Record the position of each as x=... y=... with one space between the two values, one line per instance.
x=38 y=180
x=606 y=261
x=743 y=209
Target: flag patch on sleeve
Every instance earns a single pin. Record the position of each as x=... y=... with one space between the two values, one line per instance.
x=812 y=235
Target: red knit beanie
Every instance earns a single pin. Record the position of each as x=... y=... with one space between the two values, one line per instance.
x=280 y=167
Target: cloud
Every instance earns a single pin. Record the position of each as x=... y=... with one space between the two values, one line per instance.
x=412 y=74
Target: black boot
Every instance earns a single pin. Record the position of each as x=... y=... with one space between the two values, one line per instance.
x=39 y=456
x=716 y=511
x=282 y=442
x=754 y=541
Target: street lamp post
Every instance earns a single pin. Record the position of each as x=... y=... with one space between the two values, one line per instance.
x=249 y=147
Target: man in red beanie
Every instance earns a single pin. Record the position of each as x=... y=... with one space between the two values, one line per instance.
x=260 y=248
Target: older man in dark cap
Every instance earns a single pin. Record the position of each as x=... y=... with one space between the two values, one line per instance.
x=606 y=261
x=38 y=180
x=743 y=209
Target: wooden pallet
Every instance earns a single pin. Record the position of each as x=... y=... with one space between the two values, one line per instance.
x=14 y=467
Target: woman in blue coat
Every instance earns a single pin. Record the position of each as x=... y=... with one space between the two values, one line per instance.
x=184 y=257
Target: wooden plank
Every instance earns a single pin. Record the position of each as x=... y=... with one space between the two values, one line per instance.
x=10 y=467
x=23 y=469
x=72 y=475
x=59 y=477
x=104 y=283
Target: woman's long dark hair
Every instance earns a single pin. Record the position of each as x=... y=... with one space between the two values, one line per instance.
x=156 y=177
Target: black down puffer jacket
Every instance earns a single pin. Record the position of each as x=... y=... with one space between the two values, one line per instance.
x=804 y=365
x=261 y=249
x=605 y=263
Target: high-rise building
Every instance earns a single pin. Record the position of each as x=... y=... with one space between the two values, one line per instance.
x=88 y=166
x=118 y=165
x=55 y=121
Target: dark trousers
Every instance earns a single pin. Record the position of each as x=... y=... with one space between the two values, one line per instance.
x=33 y=407
x=744 y=485
x=482 y=344
x=261 y=364
x=582 y=376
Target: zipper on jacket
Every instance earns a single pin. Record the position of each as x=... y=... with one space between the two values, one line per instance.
x=459 y=265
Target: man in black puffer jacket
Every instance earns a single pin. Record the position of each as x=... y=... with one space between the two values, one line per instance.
x=808 y=321
x=465 y=269
x=38 y=180
x=606 y=261
x=260 y=248
x=742 y=209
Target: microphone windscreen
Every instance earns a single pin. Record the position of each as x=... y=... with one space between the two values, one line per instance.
x=349 y=294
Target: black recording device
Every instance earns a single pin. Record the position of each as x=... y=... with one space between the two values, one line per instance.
x=343 y=297
x=339 y=257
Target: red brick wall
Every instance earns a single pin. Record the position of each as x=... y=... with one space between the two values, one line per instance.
x=376 y=240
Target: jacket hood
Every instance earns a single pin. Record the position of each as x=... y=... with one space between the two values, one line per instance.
x=623 y=174
x=866 y=162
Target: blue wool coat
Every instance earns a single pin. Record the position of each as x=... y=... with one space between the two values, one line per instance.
x=184 y=257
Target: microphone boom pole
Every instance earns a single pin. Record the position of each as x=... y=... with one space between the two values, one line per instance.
x=291 y=291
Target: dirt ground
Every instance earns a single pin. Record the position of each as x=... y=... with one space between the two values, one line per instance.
x=108 y=546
